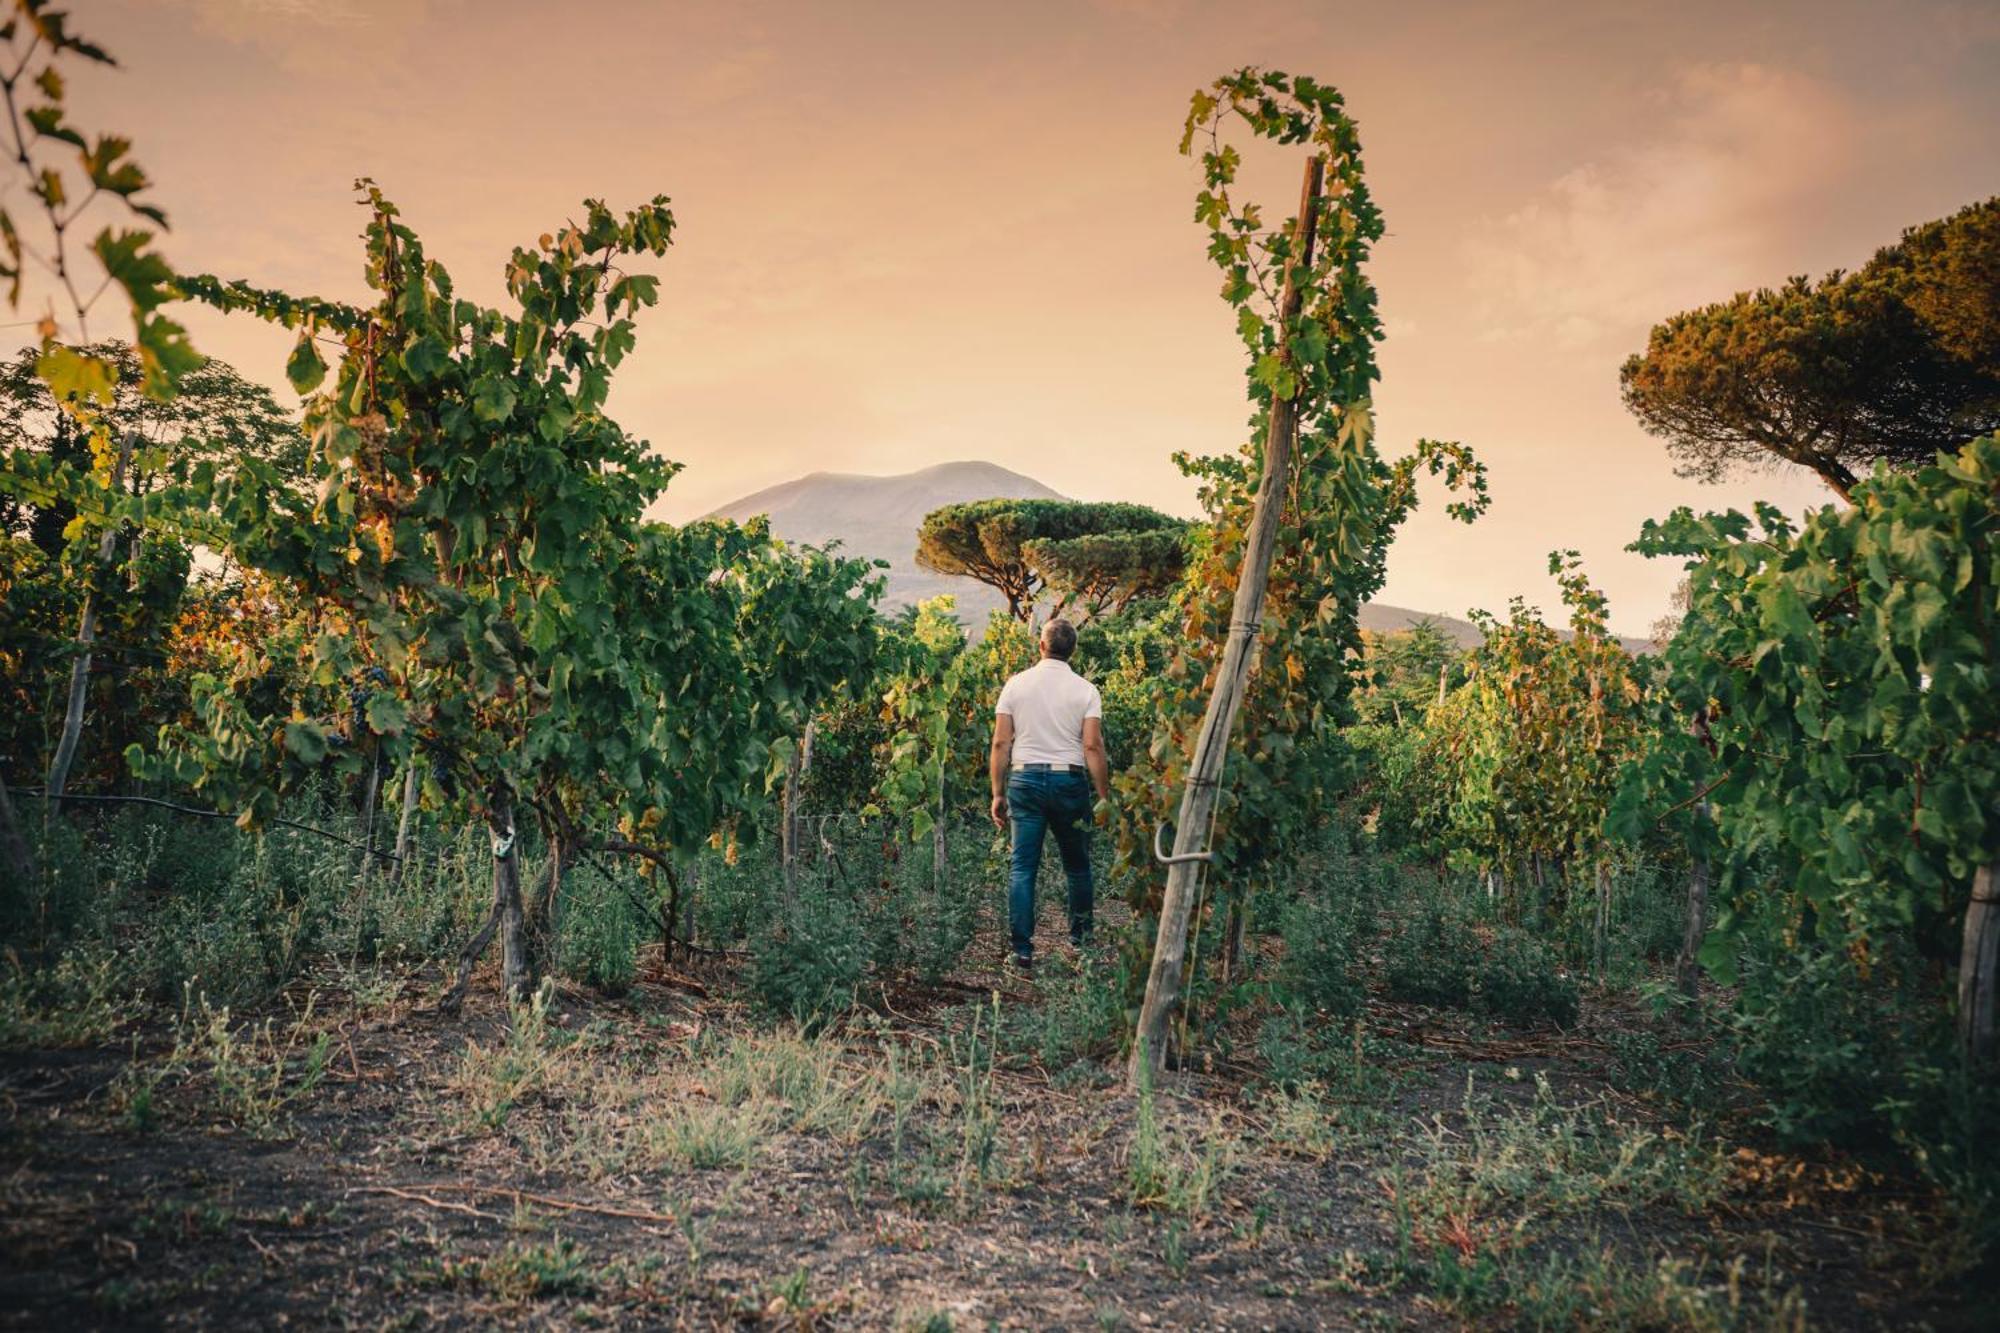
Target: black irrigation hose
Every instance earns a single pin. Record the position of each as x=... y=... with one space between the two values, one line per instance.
x=209 y=814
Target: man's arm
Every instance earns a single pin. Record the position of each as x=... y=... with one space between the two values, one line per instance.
x=998 y=761
x=1094 y=757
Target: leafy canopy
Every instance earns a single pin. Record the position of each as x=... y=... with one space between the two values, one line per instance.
x=1892 y=363
x=65 y=174
x=1342 y=502
x=1519 y=764
x=1015 y=545
x=1842 y=668
x=482 y=583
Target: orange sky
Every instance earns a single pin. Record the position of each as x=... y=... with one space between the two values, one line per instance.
x=914 y=232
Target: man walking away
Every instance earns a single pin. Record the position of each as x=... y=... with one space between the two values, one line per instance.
x=1048 y=753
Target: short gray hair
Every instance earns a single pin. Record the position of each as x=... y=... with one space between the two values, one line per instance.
x=1059 y=637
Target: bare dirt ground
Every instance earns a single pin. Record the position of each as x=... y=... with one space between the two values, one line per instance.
x=660 y=1161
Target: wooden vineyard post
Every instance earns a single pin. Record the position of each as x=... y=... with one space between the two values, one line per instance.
x=369 y=795
x=1600 y=935
x=19 y=863
x=792 y=819
x=687 y=908
x=1211 y=749
x=1977 y=965
x=1687 y=967
x=939 y=846
x=413 y=788
x=86 y=636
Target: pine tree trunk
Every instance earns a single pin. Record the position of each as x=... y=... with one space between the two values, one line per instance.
x=86 y=636
x=1977 y=965
x=1211 y=750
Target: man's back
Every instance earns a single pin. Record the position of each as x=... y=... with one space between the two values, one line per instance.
x=1047 y=755
x=1049 y=703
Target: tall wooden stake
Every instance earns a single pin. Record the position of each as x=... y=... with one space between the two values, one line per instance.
x=406 y=823
x=1687 y=967
x=20 y=864
x=791 y=825
x=1211 y=748
x=1977 y=964
x=370 y=793
x=1600 y=934
x=86 y=636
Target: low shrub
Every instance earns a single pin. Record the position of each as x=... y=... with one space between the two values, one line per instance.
x=1441 y=957
x=808 y=965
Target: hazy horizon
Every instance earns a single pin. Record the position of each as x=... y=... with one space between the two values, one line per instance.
x=913 y=234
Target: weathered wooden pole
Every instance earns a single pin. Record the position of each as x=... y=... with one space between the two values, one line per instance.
x=1687 y=967
x=1601 y=934
x=369 y=796
x=1977 y=965
x=1211 y=749
x=940 y=846
x=413 y=788
x=20 y=864
x=791 y=819
x=86 y=636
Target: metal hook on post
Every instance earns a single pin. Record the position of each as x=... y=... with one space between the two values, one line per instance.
x=1160 y=852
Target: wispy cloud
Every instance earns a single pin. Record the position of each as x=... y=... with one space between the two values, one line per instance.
x=1706 y=206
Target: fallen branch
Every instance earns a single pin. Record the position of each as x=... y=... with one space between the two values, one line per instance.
x=414 y=1197
x=549 y=1201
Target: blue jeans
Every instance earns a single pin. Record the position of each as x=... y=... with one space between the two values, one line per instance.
x=1040 y=802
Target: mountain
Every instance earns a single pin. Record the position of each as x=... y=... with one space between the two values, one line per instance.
x=1385 y=619
x=878 y=517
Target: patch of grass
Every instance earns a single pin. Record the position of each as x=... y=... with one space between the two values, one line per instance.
x=709 y=1137
x=977 y=1115
x=1596 y=1287
x=1687 y=1075
x=78 y=1002
x=1503 y=1177
x=249 y=1074
x=251 y=1069
x=536 y=1272
x=1079 y=1018
x=492 y=1080
x=1301 y=1122
x=1167 y=1169
x=806 y=1081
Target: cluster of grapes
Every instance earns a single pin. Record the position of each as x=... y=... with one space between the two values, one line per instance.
x=441 y=771
x=358 y=695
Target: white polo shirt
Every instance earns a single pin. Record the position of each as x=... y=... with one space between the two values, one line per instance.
x=1048 y=703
